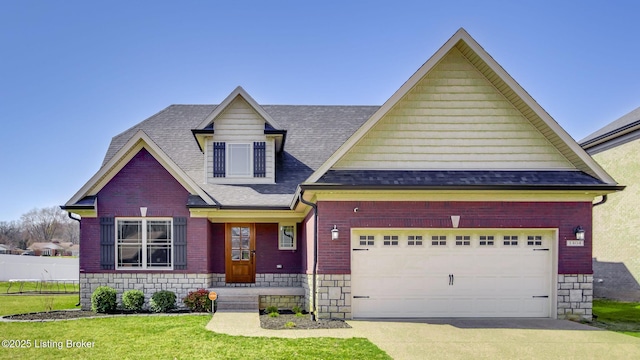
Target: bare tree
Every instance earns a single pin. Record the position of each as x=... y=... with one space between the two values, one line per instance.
x=11 y=234
x=41 y=225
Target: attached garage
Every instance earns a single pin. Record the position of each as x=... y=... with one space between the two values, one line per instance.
x=400 y=273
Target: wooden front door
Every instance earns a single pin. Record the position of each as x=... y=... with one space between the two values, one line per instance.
x=240 y=249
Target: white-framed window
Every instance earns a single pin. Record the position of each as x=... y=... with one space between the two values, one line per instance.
x=367 y=240
x=414 y=240
x=390 y=240
x=287 y=237
x=239 y=160
x=144 y=243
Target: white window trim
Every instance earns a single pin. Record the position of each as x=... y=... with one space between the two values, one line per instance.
x=280 y=234
x=227 y=159
x=144 y=243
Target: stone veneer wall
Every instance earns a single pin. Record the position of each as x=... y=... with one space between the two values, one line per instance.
x=283 y=302
x=575 y=296
x=180 y=284
x=334 y=296
x=262 y=280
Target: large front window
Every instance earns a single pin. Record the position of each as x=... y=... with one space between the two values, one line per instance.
x=143 y=243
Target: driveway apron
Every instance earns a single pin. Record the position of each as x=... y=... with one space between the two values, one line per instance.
x=459 y=338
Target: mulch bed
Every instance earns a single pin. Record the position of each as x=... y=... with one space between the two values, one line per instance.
x=75 y=314
x=285 y=320
x=289 y=321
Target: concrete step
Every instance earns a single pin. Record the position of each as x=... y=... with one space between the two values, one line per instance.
x=237 y=302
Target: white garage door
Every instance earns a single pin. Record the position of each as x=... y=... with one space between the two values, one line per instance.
x=451 y=273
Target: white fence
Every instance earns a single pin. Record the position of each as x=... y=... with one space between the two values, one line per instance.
x=38 y=268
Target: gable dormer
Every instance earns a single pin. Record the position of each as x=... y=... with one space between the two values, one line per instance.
x=240 y=141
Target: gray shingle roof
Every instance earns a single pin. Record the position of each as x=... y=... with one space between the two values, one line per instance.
x=458 y=178
x=625 y=121
x=313 y=134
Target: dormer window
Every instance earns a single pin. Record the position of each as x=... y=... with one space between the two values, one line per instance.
x=239 y=160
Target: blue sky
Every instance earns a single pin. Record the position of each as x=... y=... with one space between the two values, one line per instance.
x=73 y=74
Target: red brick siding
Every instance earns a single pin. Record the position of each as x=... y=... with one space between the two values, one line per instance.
x=143 y=182
x=267 y=253
x=334 y=256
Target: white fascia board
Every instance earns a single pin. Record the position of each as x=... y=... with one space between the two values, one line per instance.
x=460 y=35
x=239 y=91
x=137 y=142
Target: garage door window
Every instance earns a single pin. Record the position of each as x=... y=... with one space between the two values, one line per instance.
x=414 y=240
x=439 y=240
x=486 y=240
x=367 y=240
x=510 y=240
x=534 y=240
x=463 y=240
x=390 y=240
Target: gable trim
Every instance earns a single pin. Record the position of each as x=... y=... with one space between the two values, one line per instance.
x=137 y=142
x=568 y=147
x=239 y=91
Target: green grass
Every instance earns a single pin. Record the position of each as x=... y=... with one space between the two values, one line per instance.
x=162 y=337
x=35 y=287
x=21 y=304
x=617 y=316
x=168 y=337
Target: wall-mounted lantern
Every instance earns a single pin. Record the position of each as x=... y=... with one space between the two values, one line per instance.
x=334 y=233
x=579 y=231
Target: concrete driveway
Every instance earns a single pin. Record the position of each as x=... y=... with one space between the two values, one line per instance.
x=496 y=339
x=460 y=338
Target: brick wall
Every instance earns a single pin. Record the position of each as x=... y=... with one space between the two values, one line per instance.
x=143 y=182
x=334 y=256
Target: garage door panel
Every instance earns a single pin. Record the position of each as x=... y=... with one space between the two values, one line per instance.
x=489 y=281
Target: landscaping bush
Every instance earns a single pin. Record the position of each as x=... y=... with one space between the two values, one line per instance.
x=103 y=300
x=271 y=309
x=133 y=300
x=198 y=301
x=163 y=301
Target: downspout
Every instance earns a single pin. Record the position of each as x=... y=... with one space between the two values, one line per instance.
x=604 y=200
x=315 y=252
x=79 y=232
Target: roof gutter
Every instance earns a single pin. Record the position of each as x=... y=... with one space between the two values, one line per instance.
x=315 y=253
x=604 y=200
x=593 y=187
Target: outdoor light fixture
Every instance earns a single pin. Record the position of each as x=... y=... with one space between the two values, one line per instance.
x=334 y=233
x=579 y=231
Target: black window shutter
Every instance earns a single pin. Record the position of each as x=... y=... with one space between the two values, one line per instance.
x=219 y=159
x=107 y=243
x=179 y=243
x=259 y=159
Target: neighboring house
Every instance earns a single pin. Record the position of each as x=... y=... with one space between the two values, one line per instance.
x=459 y=196
x=616 y=223
x=46 y=248
x=5 y=249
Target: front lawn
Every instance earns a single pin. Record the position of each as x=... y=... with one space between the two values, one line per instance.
x=22 y=304
x=167 y=337
x=617 y=316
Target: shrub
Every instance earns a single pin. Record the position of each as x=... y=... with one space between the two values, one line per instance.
x=133 y=300
x=198 y=301
x=271 y=309
x=274 y=314
x=290 y=325
x=163 y=301
x=297 y=310
x=103 y=300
